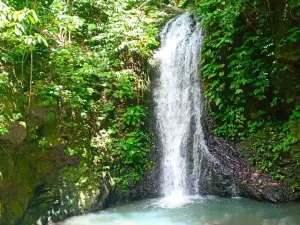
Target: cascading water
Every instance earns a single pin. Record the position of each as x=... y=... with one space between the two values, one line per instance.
x=178 y=110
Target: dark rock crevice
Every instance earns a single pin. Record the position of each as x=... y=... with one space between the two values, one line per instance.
x=233 y=170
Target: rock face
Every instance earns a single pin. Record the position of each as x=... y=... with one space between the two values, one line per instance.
x=43 y=183
x=43 y=186
x=63 y=198
x=233 y=175
x=16 y=133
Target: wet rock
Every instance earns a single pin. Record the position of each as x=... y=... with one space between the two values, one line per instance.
x=67 y=197
x=246 y=180
x=47 y=185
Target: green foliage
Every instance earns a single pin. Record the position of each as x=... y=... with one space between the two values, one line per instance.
x=132 y=155
x=244 y=65
x=270 y=153
x=3 y=125
x=85 y=64
x=134 y=116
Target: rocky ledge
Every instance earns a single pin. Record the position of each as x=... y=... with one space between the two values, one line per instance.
x=233 y=175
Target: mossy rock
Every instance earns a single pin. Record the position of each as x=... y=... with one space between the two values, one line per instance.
x=290 y=51
x=75 y=191
x=16 y=132
x=14 y=210
x=295 y=129
x=22 y=169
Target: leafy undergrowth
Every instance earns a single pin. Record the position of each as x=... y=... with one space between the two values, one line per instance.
x=250 y=62
x=84 y=65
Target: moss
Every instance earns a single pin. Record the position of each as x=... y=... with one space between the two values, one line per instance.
x=50 y=133
x=22 y=169
x=6 y=165
x=14 y=210
x=295 y=129
x=75 y=191
x=290 y=51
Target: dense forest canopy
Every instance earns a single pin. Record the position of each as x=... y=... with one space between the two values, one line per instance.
x=74 y=77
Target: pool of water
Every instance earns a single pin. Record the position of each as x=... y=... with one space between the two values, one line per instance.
x=194 y=211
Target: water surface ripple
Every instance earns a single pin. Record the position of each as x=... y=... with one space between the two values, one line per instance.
x=195 y=211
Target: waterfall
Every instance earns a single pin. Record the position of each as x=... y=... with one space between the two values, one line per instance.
x=178 y=106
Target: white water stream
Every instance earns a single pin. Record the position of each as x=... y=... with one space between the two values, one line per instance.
x=179 y=106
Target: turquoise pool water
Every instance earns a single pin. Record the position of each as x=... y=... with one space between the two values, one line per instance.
x=194 y=211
